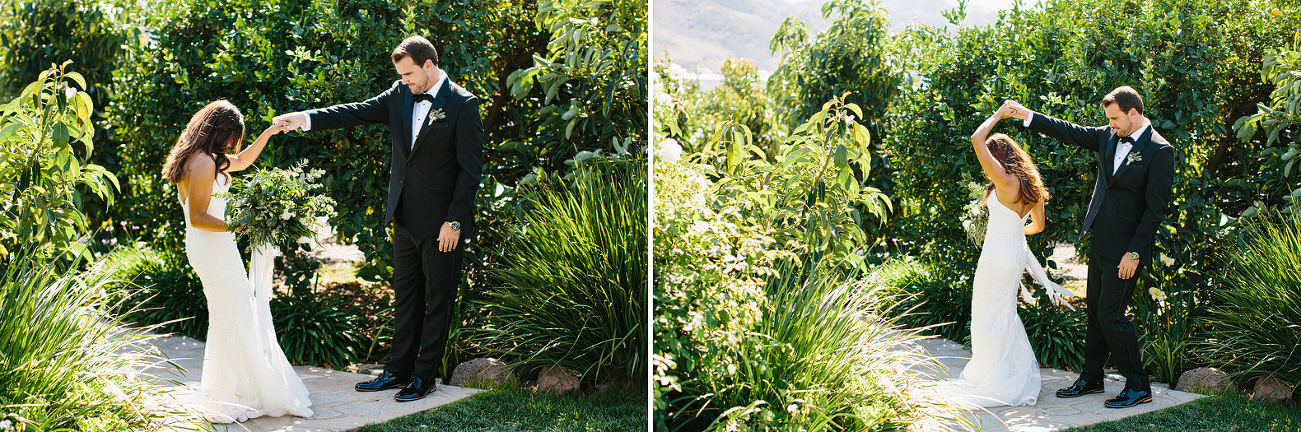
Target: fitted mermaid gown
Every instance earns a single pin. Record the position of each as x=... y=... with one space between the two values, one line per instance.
x=1003 y=369
x=245 y=373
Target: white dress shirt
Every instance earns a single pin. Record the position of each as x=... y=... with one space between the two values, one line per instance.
x=421 y=110
x=1122 y=148
x=418 y=113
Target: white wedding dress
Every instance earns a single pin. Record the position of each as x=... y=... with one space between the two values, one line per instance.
x=1003 y=369
x=245 y=373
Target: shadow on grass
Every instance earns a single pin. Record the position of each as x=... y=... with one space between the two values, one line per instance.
x=517 y=409
x=1223 y=412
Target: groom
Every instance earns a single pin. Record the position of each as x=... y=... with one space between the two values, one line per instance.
x=437 y=139
x=1135 y=174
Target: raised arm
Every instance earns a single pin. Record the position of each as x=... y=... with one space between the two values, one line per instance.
x=992 y=167
x=371 y=111
x=1037 y=220
x=1064 y=131
x=244 y=159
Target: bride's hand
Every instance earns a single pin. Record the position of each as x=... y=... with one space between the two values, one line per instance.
x=275 y=128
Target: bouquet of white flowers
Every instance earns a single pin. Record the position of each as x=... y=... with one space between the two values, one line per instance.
x=277 y=207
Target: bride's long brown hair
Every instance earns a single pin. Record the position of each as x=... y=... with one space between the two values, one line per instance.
x=215 y=130
x=1017 y=163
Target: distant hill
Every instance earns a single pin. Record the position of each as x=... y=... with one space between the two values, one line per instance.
x=703 y=33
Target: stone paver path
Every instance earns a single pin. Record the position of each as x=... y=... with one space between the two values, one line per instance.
x=337 y=406
x=1050 y=413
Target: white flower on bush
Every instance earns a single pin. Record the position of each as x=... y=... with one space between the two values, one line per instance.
x=286 y=215
x=4 y=424
x=1167 y=260
x=670 y=151
x=1157 y=294
x=664 y=99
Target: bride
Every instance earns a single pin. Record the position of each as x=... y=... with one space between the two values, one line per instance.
x=1003 y=369
x=245 y=373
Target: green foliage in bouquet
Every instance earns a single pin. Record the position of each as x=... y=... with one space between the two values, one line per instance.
x=573 y=276
x=64 y=364
x=317 y=330
x=277 y=207
x=45 y=143
x=1257 y=324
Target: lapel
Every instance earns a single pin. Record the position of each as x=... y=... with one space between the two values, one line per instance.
x=440 y=100
x=1137 y=148
x=408 y=106
x=1109 y=158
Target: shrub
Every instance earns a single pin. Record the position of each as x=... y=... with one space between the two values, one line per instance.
x=1056 y=333
x=932 y=298
x=67 y=366
x=158 y=288
x=1257 y=323
x=574 y=274
x=317 y=330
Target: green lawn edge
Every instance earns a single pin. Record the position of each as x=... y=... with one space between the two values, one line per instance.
x=1223 y=412
x=515 y=408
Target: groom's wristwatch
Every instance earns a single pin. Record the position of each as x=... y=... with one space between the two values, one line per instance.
x=1132 y=255
x=456 y=226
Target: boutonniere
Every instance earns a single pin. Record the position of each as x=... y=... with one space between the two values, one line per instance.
x=436 y=115
x=1134 y=157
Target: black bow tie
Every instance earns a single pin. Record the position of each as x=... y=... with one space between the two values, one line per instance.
x=1126 y=139
x=424 y=97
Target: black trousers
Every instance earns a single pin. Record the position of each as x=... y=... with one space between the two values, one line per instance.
x=424 y=290
x=1109 y=332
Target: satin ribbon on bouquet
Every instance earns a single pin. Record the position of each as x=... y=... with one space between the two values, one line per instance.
x=261 y=268
x=1055 y=291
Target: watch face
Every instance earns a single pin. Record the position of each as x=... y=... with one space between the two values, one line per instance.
x=1133 y=255
x=456 y=225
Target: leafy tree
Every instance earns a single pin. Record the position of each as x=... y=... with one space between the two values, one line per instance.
x=41 y=132
x=589 y=88
x=37 y=34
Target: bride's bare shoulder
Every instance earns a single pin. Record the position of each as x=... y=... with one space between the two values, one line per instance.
x=201 y=164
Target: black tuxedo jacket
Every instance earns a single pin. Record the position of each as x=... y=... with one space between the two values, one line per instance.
x=437 y=180
x=1129 y=206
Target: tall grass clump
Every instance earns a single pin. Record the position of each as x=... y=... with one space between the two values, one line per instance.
x=1256 y=328
x=65 y=365
x=572 y=286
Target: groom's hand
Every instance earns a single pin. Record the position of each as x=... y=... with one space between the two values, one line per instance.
x=290 y=121
x=1018 y=111
x=1127 y=267
x=447 y=237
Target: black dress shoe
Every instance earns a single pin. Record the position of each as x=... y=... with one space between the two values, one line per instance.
x=1129 y=398
x=384 y=381
x=417 y=389
x=1080 y=388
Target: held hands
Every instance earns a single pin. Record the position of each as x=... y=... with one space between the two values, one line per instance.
x=1014 y=110
x=448 y=237
x=291 y=121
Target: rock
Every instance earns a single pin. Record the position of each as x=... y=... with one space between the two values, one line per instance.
x=1205 y=379
x=488 y=370
x=1272 y=389
x=557 y=379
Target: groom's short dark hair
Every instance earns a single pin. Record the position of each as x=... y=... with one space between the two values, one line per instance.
x=1126 y=98
x=418 y=48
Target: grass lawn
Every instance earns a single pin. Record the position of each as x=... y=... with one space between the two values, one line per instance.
x=516 y=409
x=1225 y=412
